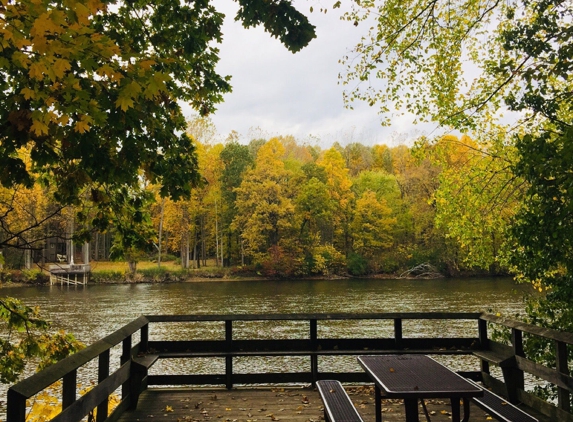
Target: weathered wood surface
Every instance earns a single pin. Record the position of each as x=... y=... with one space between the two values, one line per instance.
x=268 y=404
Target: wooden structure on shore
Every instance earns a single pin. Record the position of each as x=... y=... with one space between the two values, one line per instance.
x=224 y=342
x=67 y=272
x=70 y=274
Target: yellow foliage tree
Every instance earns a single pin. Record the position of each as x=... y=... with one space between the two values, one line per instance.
x=372 y=225
x=264 y=202
x=339 y=188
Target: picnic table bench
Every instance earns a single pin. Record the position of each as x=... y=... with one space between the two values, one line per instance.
x=499 y=408
x=337 y=404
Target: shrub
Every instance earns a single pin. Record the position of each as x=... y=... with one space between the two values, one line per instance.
x=328 y=260
x=244 y=271
x=279 y=263
x=107 y=276
x=165 y=257
x=33 y=276
x=357 y=264
x=154 y=272
x=25 y=276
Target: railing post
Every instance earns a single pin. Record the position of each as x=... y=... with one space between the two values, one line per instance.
x=563 y=395
x=102 y=374
x=313 y=348
x=398 y=333
x=126 y=350
x=16 y=408
x=125 y=357
x=69 y=388
x=513 y=376
x=144 y=340
x=228 y=357
x=484 y=343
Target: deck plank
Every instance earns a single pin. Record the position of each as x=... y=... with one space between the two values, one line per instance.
x=266 y=404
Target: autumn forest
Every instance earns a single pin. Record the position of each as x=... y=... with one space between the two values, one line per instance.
x=282 y=208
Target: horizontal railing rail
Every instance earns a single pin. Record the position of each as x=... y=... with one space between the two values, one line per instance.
x=312 y=346
x=314 y=342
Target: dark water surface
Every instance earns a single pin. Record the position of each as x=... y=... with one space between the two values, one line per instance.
x=94 y=311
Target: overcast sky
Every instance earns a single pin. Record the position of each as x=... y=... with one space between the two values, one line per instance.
x=276 y=92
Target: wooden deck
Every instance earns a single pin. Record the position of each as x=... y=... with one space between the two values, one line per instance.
x=267 y=404
x=233 y=340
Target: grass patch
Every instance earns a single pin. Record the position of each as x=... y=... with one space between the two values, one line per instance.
x=147 y=271
x=121 y=266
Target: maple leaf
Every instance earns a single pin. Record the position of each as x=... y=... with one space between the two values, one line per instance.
x=131 y=89
x=44 y=24
x=81 y=126
x=124 y=103
x=60 y=67
x=28 y=93
x=39 y=128
x=37 y=71
x=82 y=13
x=95 y=5
x=146 y=64
x=156 y=84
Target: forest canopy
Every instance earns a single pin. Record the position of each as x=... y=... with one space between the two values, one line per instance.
x=91 y=91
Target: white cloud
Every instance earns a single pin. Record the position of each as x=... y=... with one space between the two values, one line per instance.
x=294 y=94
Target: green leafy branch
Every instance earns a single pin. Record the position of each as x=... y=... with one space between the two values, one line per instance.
x=24 y=337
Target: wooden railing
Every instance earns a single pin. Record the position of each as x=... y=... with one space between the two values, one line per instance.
x=133 y=376
x=74 y=409
x=515 y=364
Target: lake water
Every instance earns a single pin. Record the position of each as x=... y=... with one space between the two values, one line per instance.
x=97 y=310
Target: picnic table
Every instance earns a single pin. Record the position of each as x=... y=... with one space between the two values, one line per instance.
x=414 y=377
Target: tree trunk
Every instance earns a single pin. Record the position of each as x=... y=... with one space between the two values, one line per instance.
x=217 y=237
x=28 y=259
x=132 y=266
x=203 y=251
x=86 y=253
x=160 y=232
x=185 y=250
x=222 y=256
x=70 y=252
x=196 y=263
x=96 y=247
x=242 y=253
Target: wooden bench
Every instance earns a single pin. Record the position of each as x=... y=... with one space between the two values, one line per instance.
x=337 y=404
x=499 y=408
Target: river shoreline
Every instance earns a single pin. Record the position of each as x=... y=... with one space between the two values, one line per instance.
x=192 y=279
x=237 y=279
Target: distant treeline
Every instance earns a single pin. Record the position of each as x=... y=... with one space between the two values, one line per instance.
x=283 y=209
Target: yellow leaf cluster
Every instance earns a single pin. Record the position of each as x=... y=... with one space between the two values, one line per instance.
x=46 y=405
x=83 y=125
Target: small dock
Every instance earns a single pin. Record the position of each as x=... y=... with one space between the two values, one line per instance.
x=290 y=404
x=70 y=274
